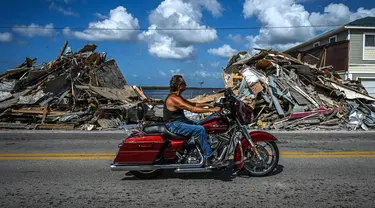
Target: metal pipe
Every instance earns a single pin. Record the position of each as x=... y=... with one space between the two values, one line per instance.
x=116 y=167
x=119 y=167
x=193 y=170
x=241 y=151
x=223 y=153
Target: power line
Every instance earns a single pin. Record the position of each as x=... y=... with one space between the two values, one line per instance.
x=142 y=29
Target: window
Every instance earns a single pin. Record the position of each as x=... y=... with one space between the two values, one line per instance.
x=316 y=44
x=368 y=47
x=333 y=39
x=369 y=40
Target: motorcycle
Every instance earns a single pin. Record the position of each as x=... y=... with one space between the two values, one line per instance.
x=153 y=149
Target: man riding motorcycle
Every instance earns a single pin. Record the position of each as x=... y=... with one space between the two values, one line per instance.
x=176 y=122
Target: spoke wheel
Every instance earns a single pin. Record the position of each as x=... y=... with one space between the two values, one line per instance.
x=270 y=155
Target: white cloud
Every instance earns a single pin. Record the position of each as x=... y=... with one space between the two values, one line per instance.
x=108 y=29
x=135 y=76
x=178 y=44
x=101 y=16
x=176 y=72
x=235 y=38
x=6 y=37
x=253 y=42
x=162 y=73
x=339 y=14
x=62 y=10
x=224 y=51
x=211 y=5
x=205 y=75
x=288 y=13
x=215 y=64
x=276 y=13
x=34 y=30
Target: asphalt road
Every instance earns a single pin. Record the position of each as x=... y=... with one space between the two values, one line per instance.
x=341 y=174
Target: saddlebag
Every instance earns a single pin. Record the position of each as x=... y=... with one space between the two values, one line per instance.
x=140 y=150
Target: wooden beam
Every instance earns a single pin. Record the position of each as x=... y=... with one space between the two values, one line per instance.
x=143 y=96
x=63 y=49
x=37 y=112
x=45 y=111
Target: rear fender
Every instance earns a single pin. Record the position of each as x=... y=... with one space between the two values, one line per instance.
x=258 y=136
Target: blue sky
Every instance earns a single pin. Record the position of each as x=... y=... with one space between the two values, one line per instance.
x=149 y=57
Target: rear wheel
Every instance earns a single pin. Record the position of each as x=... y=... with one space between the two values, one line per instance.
x=147 y=174
x=270 y=154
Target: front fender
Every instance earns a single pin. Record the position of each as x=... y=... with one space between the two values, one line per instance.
x=262 y=136
x=258 y=136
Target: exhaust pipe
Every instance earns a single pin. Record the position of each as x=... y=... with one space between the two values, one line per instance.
x=193 y=170
x=120 y=167
x=116 y=167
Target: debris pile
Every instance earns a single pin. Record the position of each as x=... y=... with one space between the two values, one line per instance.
x=80 y=90
x=287 y=94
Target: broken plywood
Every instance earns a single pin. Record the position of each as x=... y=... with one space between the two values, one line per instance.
x=122 y=95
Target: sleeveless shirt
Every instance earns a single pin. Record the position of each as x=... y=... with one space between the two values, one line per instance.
x=170 y=116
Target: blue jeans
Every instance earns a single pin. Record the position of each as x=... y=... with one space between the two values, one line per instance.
x=190 y=128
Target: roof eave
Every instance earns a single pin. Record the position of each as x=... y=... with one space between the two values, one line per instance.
x=313 y=40
x=360 y=27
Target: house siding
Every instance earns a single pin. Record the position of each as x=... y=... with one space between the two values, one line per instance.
x=362 y=69
x=356 y=47
x=355 y=76
x=340 y=37
x=368 y=81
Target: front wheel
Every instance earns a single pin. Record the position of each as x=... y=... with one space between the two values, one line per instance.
x=270 y=158
x=149 y=174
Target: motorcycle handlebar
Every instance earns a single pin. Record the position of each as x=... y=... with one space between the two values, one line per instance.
x=227 y=102
x=221 y=105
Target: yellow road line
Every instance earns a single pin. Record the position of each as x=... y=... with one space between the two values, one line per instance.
x=56 y=158
x=58 y=155
x=324 y=156
x=111 y=156
x=327 y=153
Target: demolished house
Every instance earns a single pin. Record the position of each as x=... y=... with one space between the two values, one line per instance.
x=287 y=94
x=81 y=90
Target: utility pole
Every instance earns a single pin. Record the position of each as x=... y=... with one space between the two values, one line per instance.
x=201 y=83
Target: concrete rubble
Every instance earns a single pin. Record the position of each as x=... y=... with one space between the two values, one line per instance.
x=81 y=90
x=287 y=94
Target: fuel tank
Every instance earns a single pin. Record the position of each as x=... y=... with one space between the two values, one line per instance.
x=215 y=124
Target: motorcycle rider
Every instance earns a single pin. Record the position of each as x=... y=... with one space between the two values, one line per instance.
x=176 y=122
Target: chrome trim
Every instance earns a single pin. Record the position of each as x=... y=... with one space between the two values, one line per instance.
x=120 y=167
x=115 y=167
x=241 y=151
x=192 y=170
x=223 y=153
x=120 y=145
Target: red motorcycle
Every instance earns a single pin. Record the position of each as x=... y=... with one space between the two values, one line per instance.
x=153 y=148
